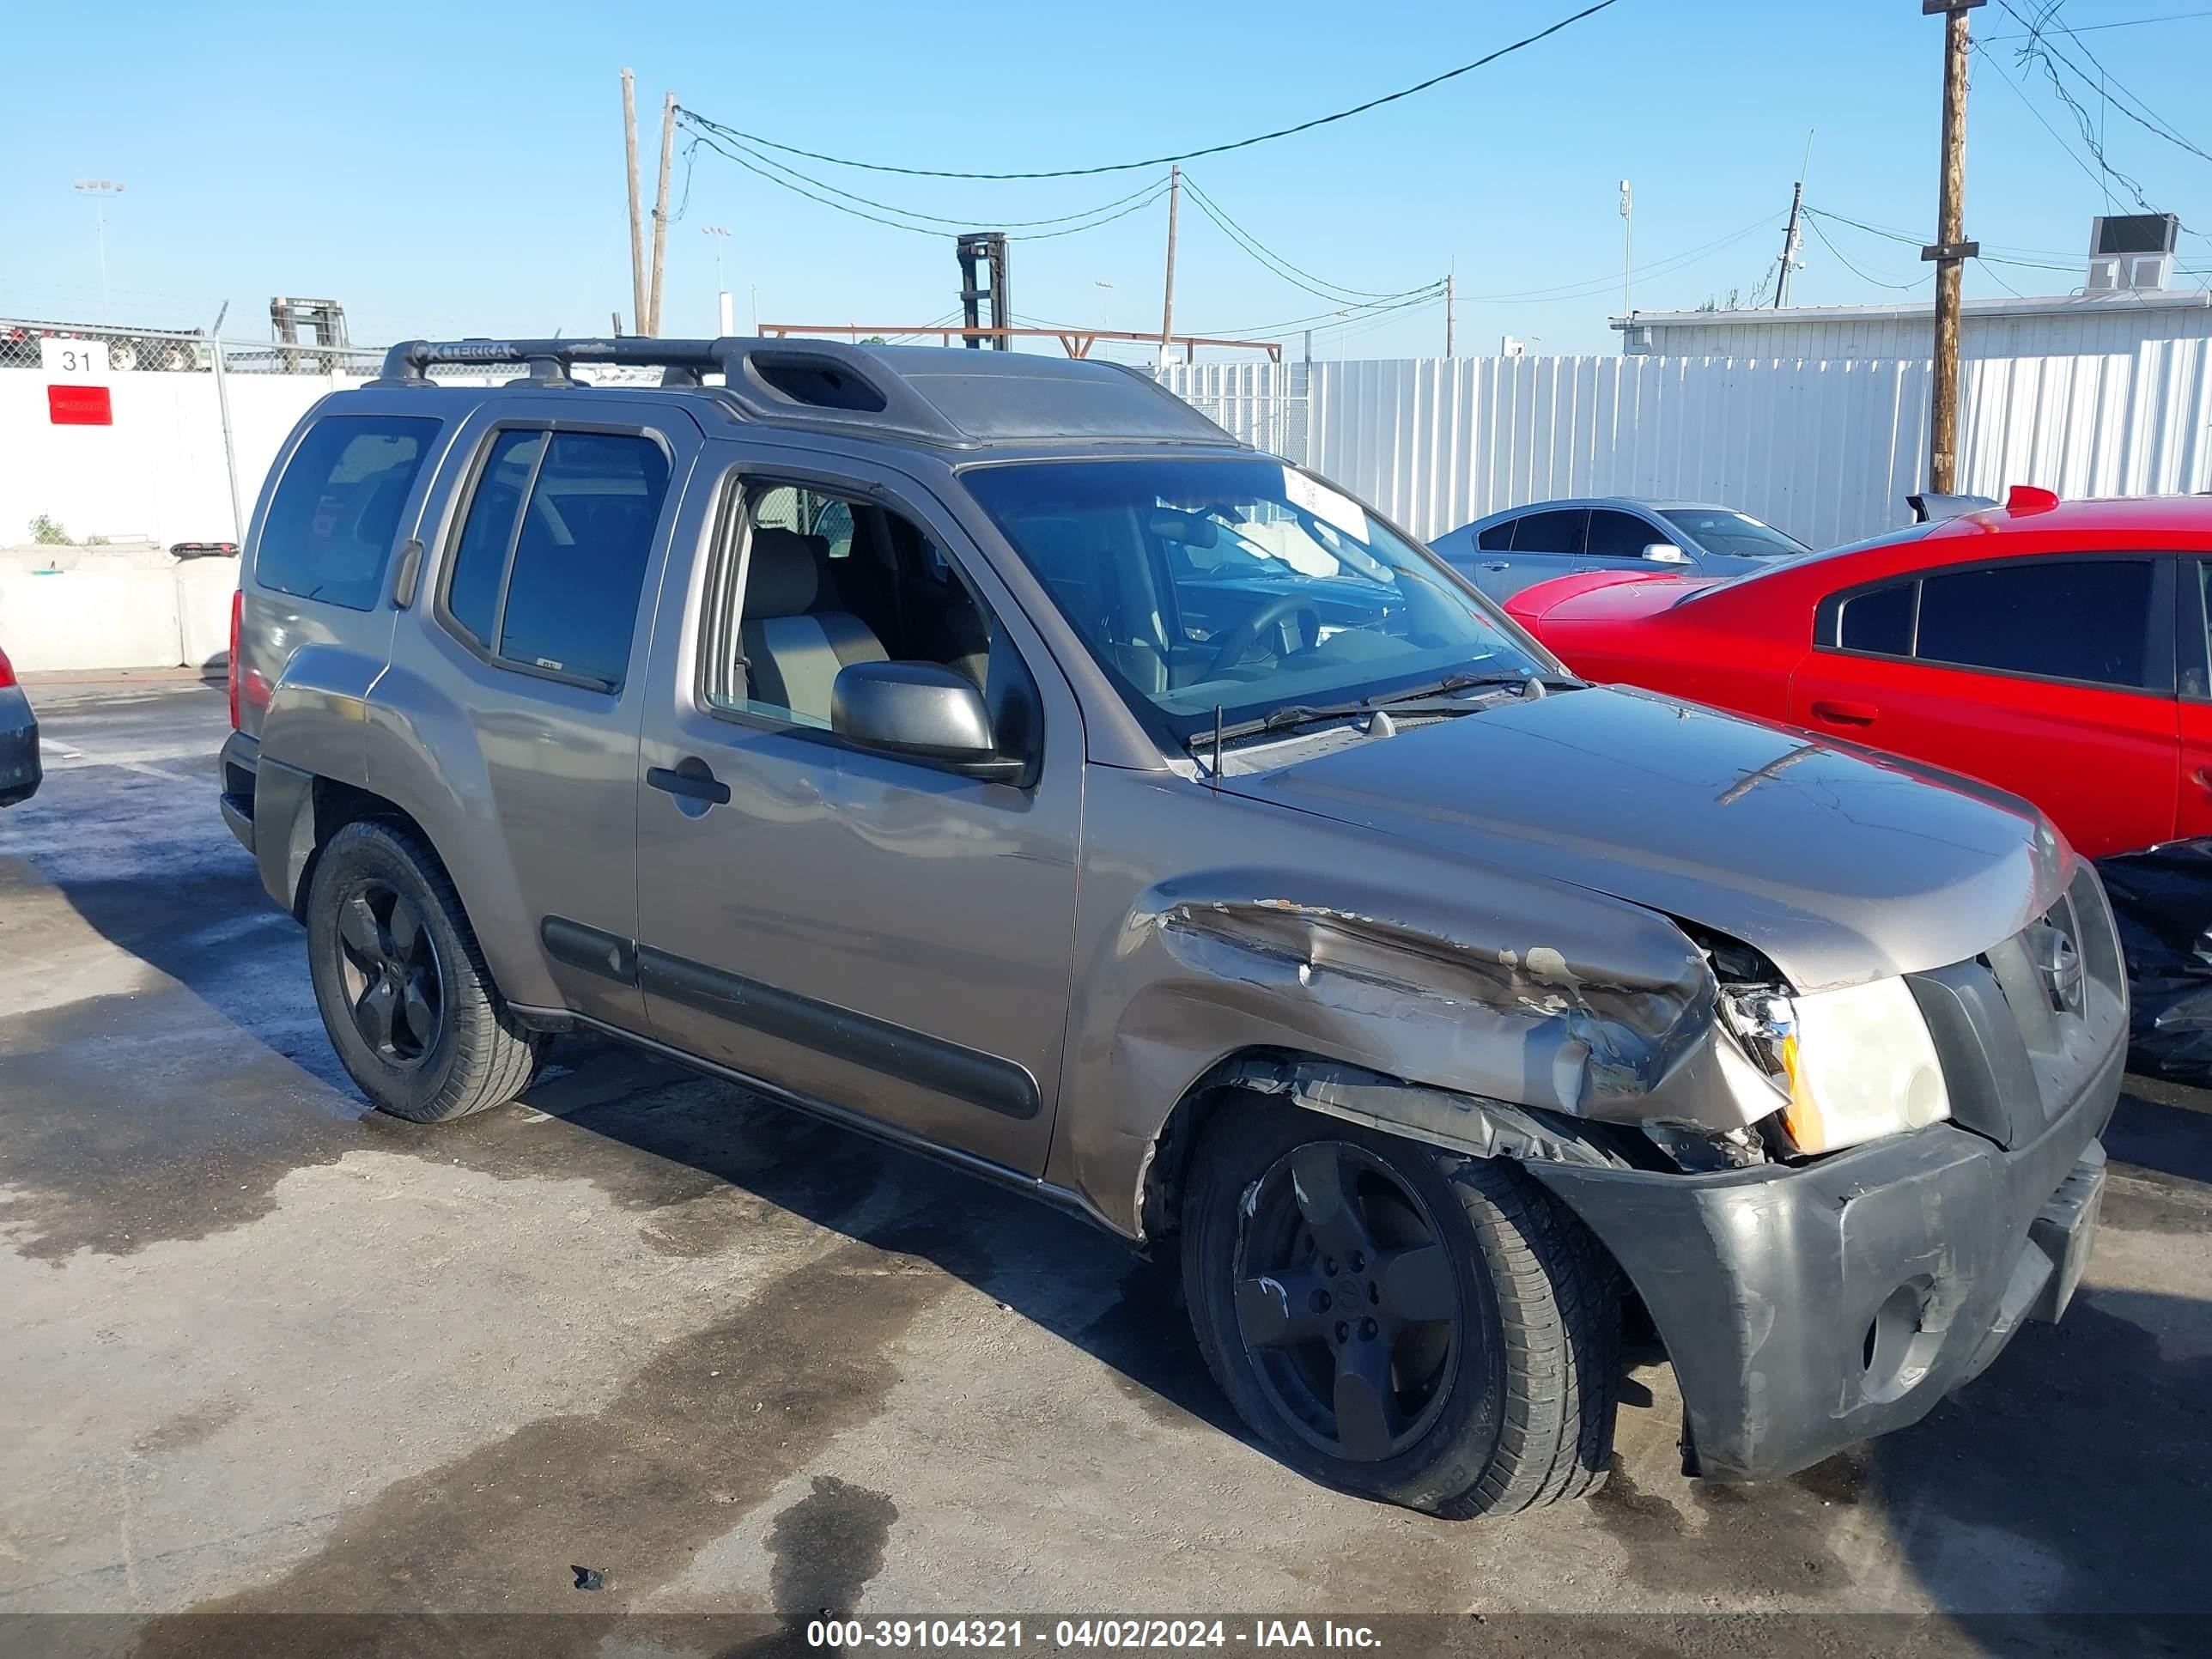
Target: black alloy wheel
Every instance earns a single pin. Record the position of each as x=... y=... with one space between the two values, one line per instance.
x=389 y=974
x=1346 y=1302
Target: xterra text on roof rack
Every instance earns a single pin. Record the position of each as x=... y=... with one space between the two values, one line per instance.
x=989 y=752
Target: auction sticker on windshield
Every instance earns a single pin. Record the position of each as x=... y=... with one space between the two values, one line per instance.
x=1331 y=506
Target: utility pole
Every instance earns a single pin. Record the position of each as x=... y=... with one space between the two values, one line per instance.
x=1450 y=298
x=636 y=218
x=1951 y=249
x=1167 y=302
x=660 y=208
x=1789 y=246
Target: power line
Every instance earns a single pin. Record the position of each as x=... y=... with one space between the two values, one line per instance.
x=1145 y=199
x=961 y=221
x=2119 y=23
x=2150 y=121
x=1276 y=263
x=701 y=121
x=1916 y=241
x=1827 y=242
x=1656 y=268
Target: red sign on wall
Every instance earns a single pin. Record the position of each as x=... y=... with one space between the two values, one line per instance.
x=79 y=405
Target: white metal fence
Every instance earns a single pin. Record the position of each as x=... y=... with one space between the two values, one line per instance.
x=1828 y=451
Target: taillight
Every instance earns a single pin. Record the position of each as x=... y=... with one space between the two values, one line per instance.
x=237 y=608
x=7 y=670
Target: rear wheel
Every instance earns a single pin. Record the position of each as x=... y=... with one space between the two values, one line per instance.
x=1399 y=1322
x=404 y=993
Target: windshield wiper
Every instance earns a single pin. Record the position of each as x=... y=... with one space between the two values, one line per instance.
x=1433 y=699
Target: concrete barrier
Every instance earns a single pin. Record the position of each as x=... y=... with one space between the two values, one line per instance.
x=90 y=608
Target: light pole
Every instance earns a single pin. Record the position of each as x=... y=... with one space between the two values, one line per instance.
x=1627 y=246
x=99 y=189
x=725 y=310
x=1105 y=305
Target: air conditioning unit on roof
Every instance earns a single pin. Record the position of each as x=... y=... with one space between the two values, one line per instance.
x=2132 y=251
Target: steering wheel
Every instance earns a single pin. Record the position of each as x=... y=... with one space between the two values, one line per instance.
x=1230 y=646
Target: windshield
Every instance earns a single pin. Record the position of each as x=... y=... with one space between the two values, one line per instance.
x=1719 y=530
x=1241 y=585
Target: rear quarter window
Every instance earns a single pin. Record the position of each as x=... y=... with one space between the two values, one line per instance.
x=336 y=514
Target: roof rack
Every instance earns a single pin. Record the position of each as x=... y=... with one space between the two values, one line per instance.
x=928 y=394
x=823 y=384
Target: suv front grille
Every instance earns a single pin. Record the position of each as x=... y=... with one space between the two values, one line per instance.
x=2024 y=1027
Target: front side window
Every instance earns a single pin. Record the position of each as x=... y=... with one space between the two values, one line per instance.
x=2067 y=619
x=1239 y=584
x=1720 y=530
x=551 y=558
x=1619 y=535
x=863 y=584
x=332 y=521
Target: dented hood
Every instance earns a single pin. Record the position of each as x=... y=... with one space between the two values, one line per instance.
x=1842 y=866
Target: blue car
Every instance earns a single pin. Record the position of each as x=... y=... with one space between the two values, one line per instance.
x=1507 y=551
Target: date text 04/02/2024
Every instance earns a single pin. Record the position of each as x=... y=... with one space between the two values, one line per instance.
x=1138 y=1633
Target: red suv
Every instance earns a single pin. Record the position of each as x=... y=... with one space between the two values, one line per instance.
x=2057 y=650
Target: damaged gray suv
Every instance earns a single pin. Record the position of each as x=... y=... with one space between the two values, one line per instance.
x=989 y=753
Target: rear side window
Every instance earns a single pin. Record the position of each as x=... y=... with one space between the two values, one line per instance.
x=1551 y=532
x=1499 y=538
x=2069 y=619
x=1879 y=622
x=336 y=513
x=551 y=562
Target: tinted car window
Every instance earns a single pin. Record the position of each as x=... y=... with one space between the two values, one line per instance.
x=1718 y=530
x=1619 y=535
x=1499 y=538
x=1551 y=532
x=579 y=561
x=336 y=513
x=480 y=559
x=2085 y=619
x=1879 y=622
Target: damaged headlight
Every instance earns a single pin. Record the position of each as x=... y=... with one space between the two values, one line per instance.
x=1850 y=1065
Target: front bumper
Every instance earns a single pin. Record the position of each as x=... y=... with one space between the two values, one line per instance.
x=20 y=769
x=1805 y=1309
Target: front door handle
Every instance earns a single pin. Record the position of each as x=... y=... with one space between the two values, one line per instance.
x=1845 y=713
x=690 y=779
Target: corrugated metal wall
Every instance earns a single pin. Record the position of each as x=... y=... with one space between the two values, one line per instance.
x=2109 y=325
x=1826 y=450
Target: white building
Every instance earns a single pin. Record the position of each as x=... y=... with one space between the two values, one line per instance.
x=2064 y=326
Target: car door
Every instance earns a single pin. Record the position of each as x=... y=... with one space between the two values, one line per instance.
x=2048 y=676
x=1546 y=543
x=2193 y=665
x=540 y=600
x=864 y=931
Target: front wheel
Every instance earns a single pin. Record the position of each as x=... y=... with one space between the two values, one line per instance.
x=1399 y=1322
x=404 y=993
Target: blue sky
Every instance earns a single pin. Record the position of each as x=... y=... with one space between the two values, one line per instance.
x=457 y=169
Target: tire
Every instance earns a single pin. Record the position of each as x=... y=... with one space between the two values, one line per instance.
x=1510 y=1408
x=404 y=994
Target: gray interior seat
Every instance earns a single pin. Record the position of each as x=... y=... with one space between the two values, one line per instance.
x=794 y=651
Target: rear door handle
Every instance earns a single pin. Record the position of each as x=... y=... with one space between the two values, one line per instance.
x=2203 y=775
x=690 y=779
x=1845 y=713
x=1496 y=564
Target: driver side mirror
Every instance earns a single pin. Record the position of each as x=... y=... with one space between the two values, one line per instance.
x=920 y=711
x=1665 y=553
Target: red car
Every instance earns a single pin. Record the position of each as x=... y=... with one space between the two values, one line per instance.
x=2057 y=650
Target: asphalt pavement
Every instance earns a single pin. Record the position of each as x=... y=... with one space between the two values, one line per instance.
x=263 y=1350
